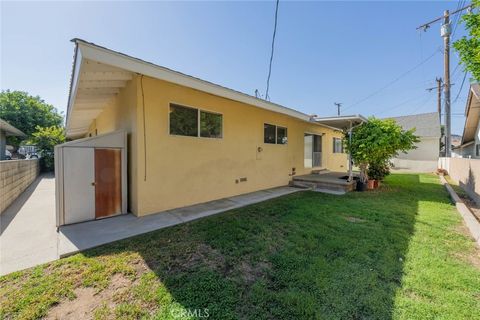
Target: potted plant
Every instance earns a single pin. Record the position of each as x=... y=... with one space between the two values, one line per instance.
x=377 y=171
x=375 y=142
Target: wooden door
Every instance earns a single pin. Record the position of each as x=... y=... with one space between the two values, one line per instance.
x=108 y=182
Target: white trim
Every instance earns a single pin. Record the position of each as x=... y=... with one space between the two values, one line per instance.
x=90 y=51
x=77 y=64
x=116 y=59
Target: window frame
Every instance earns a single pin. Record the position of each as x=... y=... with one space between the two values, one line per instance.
x=276 y=134
x=198 y=121
x=342 y=149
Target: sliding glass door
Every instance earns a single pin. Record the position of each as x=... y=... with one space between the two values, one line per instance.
x=312 y=150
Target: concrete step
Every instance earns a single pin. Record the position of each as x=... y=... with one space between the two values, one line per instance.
x=322 y=186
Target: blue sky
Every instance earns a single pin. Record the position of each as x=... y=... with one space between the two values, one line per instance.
x=325 y=52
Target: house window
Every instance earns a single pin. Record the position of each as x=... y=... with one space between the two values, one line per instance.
x=274 y=135
x=186 y=121
x=281 y=135
x=269 y=133
x=337 y=145
x=210 y=125
x=183 y=121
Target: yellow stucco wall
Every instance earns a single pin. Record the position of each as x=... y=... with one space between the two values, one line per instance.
x=182 y=171
x=122 y=115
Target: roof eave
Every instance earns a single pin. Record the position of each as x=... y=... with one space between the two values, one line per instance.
x=104 y=55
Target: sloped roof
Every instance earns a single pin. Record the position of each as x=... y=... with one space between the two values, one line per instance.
x=425 y=124
x=10 y=130
x=99 y=73
x=472 y=114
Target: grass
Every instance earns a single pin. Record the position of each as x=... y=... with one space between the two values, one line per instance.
x=398 y=253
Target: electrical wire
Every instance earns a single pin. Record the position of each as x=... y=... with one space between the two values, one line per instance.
x=461 y=87
x=401 y=104
x=457 y=17
x=267 y=97
x=393 y=81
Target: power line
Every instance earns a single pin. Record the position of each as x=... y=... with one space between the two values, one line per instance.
x=401 y=104
x=461 y=87
x=458 y=17
x=267 y=97
x=394 y=81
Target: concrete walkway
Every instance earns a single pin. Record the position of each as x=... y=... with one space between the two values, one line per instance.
x=82 y=236
x=28 y=233
x=29 y=236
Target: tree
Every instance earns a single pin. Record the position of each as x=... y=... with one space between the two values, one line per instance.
x=377 y=141
x=46 y=139
x=469 y=47
x=26 y=113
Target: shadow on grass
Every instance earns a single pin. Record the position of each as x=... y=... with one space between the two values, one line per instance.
x=306 y=255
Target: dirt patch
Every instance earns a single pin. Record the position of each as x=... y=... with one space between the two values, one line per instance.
x=202 y=255
x=87 y=300
x=354 y=219
x=472 y=257
x=140 y=267
x=251 y=273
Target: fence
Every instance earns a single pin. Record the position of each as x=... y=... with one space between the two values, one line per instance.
x=15 y=177
x=466 y=172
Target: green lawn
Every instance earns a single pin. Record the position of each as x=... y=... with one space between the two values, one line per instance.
x=400 y=252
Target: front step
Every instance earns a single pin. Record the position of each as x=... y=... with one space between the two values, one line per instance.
x=320 y=171
x=321 y=186
x=329 y=182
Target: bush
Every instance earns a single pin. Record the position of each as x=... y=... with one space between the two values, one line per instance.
x=378 y=170
x=46 y=139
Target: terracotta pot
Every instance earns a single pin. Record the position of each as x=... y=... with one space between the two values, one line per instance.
x=371 y=184
x=376 y=184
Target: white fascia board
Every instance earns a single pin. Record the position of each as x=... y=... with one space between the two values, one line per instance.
x=346 y=118
x=116 y=59
x=73 y=86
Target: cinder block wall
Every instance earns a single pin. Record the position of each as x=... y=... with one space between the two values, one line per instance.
x=15 y=177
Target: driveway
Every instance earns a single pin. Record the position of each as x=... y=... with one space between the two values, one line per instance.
x=28 y=233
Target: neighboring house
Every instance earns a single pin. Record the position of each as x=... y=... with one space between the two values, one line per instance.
x=470 y=146
x=189 y=141
x=456 y=140
x=425 y=157
x=7 y=129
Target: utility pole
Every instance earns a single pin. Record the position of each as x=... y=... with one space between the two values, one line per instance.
x=445 y=32
x=338 y=104
x=439 y=97
x=439 y=102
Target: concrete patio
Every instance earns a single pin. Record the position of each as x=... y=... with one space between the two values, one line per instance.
x=29 y=236
x=86 y=235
